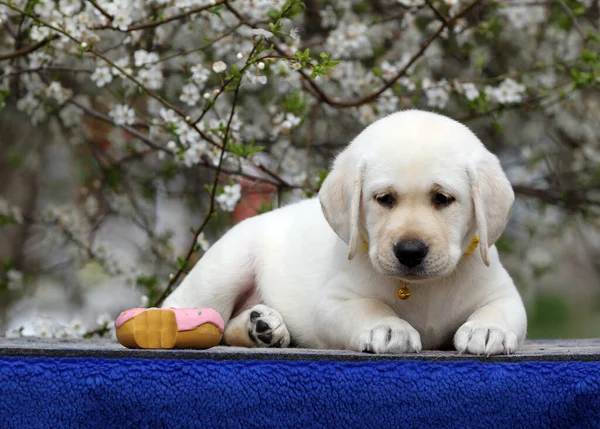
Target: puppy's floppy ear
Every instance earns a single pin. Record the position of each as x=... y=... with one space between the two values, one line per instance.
x=493 y=198
x=340 y=197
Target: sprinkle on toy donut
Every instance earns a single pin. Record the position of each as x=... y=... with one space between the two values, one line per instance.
x=187 y=318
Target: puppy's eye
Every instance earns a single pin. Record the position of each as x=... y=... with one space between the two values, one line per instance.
x=442 y=200
x=386 y=200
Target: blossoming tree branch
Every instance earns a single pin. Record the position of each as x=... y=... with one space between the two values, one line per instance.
x=232 y=98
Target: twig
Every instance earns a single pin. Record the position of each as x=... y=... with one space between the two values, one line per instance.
x=570 y=200
x=569 y=12
x=153 y=24
x=213 y=193
x=99 y=9
x=439 y=15
x=27 y=50
x=152 y=94
x=95 y=114
x=191 y=51
x=318 y=91
x=47 y=69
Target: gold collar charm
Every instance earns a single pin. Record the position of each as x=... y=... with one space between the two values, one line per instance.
x=404 y=291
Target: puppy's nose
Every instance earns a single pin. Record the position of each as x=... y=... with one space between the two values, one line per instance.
x=410 y=252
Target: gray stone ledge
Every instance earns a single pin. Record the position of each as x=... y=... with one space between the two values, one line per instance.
x=534 y=350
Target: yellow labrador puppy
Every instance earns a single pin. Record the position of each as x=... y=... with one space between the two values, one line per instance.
x=402 y=211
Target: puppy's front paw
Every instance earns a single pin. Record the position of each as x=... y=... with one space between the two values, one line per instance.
x=484 y=339
x=266 y=327
x=390 y=336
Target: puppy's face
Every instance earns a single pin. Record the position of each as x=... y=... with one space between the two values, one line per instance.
x=417 y=212
x=416 y=187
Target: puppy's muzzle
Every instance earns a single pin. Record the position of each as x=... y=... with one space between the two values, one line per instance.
x=410 y=253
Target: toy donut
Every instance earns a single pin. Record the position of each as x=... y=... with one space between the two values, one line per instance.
x=168 y=328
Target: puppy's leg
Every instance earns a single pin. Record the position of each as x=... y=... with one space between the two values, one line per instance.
x=259 y=326
x=365 y=325
x=222 y=279
x=497 y=327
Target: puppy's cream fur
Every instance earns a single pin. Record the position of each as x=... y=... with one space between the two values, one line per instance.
x=302 y=272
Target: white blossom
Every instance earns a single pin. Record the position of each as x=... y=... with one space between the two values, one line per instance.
x=468 y=89
x=190 y=94
x=186 y=134
x=200 y=74
x=350 y=40
x=91 y=206
x=38 y=59
x=122 y=114
x=14 y=332
x=168 y=115
x=507 y=92
x=230 y=197
x=295 y=34
x=539 y=258
x=328 y=17
x=524 y=16
x=202 y=242
x=74 y=329
x=69 y=7
x=142 y=57
x=70 y=115
x=101 y=76
x=261 y=33
x=44 y=328
x=104 y=319
x=152 y=77
x=410 y=3
x=45 y=8
x=285 y=122
x=219 y=67
x=56 y=91
x=437 y=94
x=39 y=33
x=123 y=64
x=15 y=279
x=28 y=103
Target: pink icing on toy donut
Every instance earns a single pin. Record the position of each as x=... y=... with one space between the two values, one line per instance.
x=187 y=318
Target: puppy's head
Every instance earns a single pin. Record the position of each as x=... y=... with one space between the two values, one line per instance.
x=416 y=187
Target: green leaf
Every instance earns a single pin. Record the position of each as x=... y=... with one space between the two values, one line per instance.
x=181 y=263
x=273 y=15
x=217 y=10
x=6 y=220
x=292 y=8
x=589 y=57
x=114 y=178
x=244 y=150
x=322 y=175
x=148 y=191
x=295 y=103
x=14 y=159
x=265 y=207
x=147 y=282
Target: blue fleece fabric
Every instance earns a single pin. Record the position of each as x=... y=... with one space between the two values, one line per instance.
x=147 y=393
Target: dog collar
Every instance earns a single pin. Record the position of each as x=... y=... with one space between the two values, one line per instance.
x=404 y=292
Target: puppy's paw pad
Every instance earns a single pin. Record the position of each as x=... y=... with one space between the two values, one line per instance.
x=266 y=327
x=484 y=340
x=393 y=337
